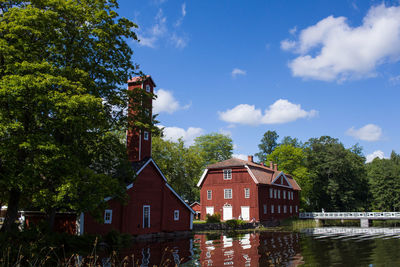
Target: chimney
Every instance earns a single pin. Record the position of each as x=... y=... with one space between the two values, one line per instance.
x=275 y=167
x=271 y=164
x=250 y=158
x=139 y=140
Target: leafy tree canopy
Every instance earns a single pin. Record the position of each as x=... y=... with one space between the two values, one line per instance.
x=267 y=145
x=214 y=147
x=63 y=70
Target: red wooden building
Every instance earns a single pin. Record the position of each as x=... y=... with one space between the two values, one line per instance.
x=153 y=205
x=237 y=188
x=197 y=208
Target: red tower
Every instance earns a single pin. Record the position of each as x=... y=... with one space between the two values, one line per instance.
x=139 y=140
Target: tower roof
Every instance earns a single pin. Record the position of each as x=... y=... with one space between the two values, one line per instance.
x=141 y=79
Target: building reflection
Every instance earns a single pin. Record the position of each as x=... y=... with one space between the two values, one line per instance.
x=250 y=249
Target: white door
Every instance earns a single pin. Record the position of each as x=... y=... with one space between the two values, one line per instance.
x=210 y=210
x=227 y=213
x=245 y=213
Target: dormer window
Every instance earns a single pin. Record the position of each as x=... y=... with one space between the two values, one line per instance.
x=227 y=174
x=148 y=88
x=107 y=216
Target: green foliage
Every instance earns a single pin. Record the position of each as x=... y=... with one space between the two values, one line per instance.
x=215 y=218
x=384 y=180
x=63 y=70
x=338 y=177
x=292 y=160
x=182 y=166
x=214 y=147
x=267 y=145
x=234 y=224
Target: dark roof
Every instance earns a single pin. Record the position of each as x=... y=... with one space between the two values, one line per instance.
x=263 y=174
x=141 y=79
x=137 y=165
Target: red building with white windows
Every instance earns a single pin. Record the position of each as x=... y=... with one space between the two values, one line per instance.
x=237 y=188
x=153 y=205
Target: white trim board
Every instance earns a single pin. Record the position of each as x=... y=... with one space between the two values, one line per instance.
x=202 y=178
x=284 y=176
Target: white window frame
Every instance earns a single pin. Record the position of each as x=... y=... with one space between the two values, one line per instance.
x=176 y=215
x=228 y=174
x=209 y=194
x=148 y=88
x=226 y=193
x=279 y=208
x=108 y=213
x=265 y=208
x=296 y=209
x=274 y=193
x=290 y=209
x=146 y=206
x=247 y=193
x=284 y=194
x=272 y=209
x=146 y=135
x=284 y=209
x=271 y=193
x=279 y=194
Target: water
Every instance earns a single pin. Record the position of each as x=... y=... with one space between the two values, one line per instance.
x=328 y=246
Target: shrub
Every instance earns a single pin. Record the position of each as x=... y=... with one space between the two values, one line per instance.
x=234 y=223
x=215 y=218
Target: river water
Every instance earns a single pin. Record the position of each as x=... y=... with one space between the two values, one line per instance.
x=336 y=246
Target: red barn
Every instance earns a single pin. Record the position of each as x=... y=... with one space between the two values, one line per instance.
x=237 y=188
x=197 y=208
x=153 y=205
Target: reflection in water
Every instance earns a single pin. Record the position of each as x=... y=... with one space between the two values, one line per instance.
x=311 y=247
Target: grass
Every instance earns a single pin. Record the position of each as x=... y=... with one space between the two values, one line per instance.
x=199 y=222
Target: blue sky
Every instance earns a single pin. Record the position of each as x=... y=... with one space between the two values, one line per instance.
x=302 y=68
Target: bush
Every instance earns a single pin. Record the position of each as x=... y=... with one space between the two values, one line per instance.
x=215 y=218
x=234 y=223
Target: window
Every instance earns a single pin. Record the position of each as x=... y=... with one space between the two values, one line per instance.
x=227 y=193
x=146 y=216
x=147 y=88
x=271 y=191
x=176 y=215
x=284 y=209
x=146 y=135
x=209 y=194
x=274 y=193
x=290 y=209
x=296 y=208
x=265 y=209
x=279 y=208
x=272 y=208
x=279 y=194
x=284 y=194
x=227 y=174
x=292 y=196
x=107 y=216
x=247 y=193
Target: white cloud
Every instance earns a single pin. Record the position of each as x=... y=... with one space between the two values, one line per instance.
x=178 y=41
x=240 y=156
x=236 y=72
x=369 y=132
x=282 y=111
x=188 y=136
x=375 y=154
x=166 y=102
x=183 y=11
x=158 y=30
x=293 y=30
x=334 y=50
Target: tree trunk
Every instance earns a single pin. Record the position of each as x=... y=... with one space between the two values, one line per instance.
x=12 y=210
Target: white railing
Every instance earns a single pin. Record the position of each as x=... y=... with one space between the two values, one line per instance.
x=350 y=215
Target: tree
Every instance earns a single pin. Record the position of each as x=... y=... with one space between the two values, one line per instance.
x=384 y=180
x=182 y=166
x=338 y=177
x=291 y=160
x=63 y=67
x=267 y=145
x=287 y=140
x=214 y=147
